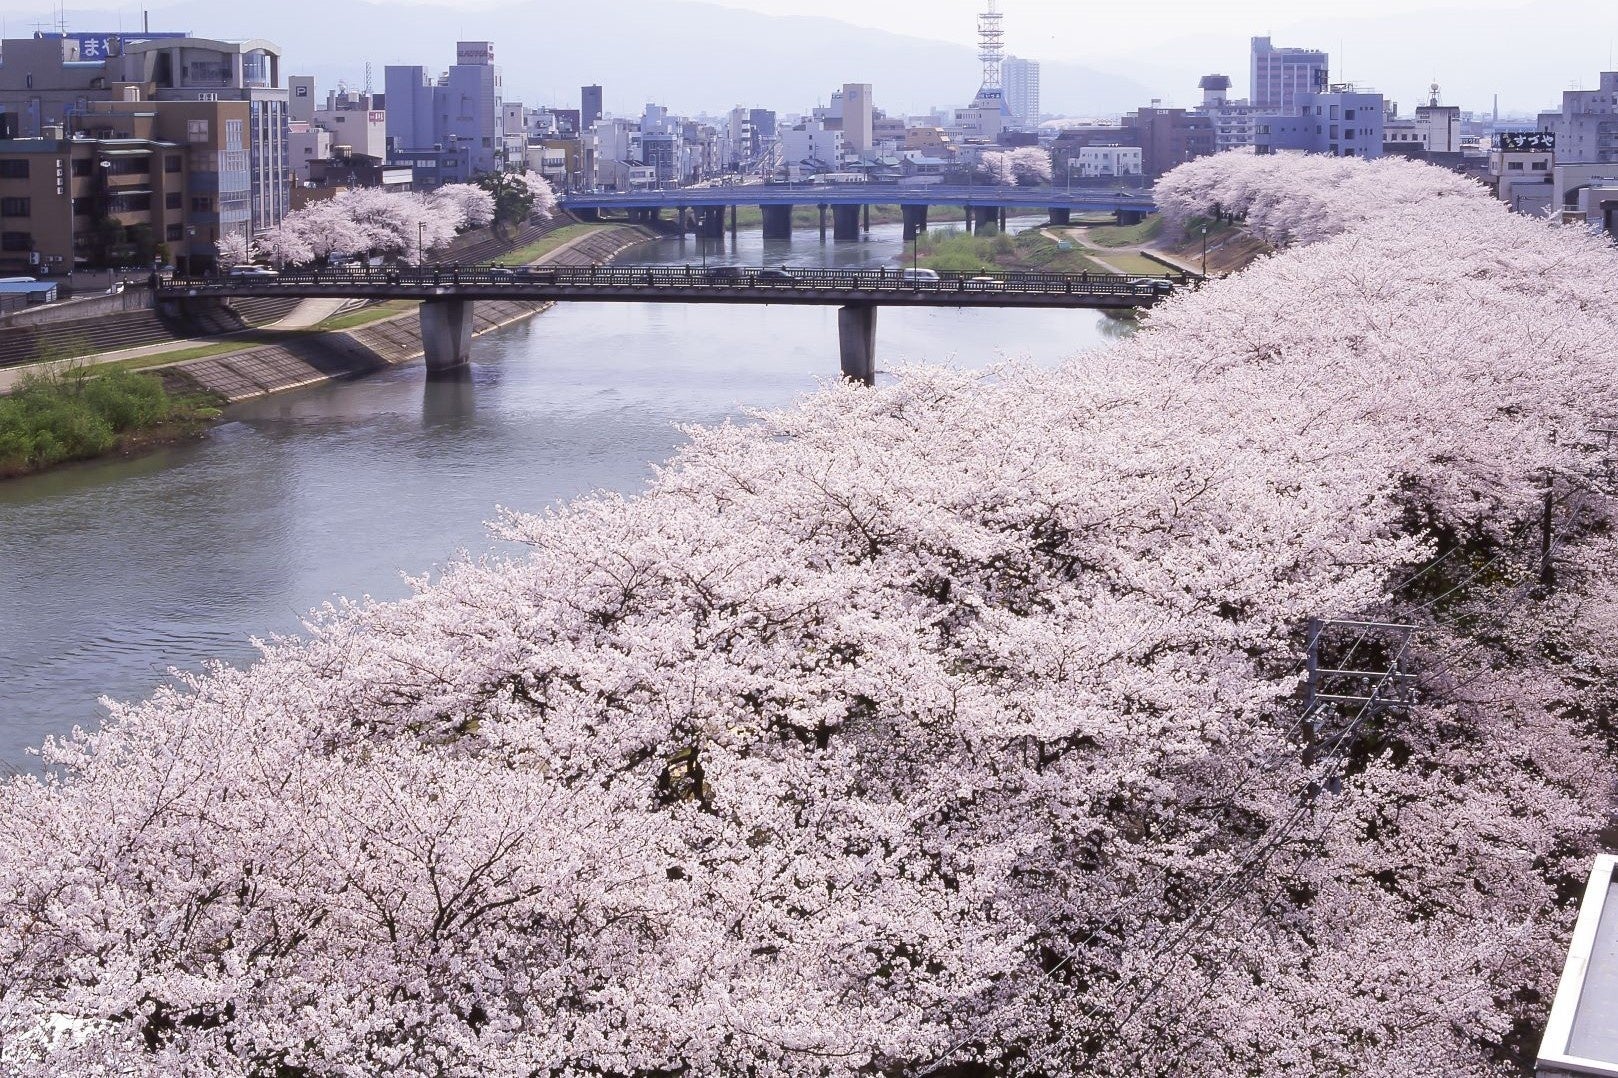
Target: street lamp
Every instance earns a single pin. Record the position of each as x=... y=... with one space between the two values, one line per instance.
x=420 y=253
x=1205 y=252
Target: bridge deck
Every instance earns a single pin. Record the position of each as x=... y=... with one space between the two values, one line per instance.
x=861 y=194
x=629 y=284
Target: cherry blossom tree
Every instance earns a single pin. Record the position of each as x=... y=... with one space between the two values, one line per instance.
x=947 y=728
x=998 y=166
x=234 y=249
x=544 y=194
x=1031 y=165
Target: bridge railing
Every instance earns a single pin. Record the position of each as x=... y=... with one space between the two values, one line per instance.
x=689 y=278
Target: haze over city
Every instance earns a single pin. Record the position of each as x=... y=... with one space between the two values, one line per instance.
x=1100 y=59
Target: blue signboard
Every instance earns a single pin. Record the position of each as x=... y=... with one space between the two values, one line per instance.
x=99 y=46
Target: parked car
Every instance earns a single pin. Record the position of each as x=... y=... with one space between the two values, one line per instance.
x=726 y=273
x=918 y=275
x=1151 y=286
x=251 y=271
x=782 y=274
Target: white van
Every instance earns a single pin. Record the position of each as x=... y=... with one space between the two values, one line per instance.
x=918 y=275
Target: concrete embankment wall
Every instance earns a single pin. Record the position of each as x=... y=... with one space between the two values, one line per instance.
x=315 y=358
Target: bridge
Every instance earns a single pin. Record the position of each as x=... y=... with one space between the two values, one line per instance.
x=705 y=207
x=447 y=294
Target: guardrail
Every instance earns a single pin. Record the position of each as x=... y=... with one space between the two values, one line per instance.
x=687 y=279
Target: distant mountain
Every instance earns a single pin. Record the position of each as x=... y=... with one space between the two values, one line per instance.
x=693 y=57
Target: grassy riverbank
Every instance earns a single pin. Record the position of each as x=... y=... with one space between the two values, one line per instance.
x=952 y=251
x=75 y=415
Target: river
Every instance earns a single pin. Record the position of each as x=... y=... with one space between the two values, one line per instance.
x=115 y=571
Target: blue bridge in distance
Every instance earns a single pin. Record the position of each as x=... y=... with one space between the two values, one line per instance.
x=846 y=207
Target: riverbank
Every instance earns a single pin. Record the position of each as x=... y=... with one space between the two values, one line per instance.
x=61 y=417
x=46 y=420
x=1093 y=246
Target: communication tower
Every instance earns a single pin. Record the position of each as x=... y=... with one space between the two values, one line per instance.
x=991 y=44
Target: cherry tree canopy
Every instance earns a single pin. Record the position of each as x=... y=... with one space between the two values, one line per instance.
x=946 y=727
x=1027 y=165
x=371 y=220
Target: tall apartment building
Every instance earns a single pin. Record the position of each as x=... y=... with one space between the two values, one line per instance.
x=50 y=79
x=1281 y=76
x=1232 y=120
x=1586 y=127
x=589 y=107
x=1020 y=79
x=450 y=128
x=858 y=118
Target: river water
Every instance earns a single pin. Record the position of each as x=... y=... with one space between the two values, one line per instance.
x=113 y=572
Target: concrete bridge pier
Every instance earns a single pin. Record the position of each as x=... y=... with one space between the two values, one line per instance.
x=777 y=222
x=856 y=338
x=1130 y=217
x=983 y=215
x=867 y=208
x=915 y=220
x=1002 y=218
x=446 y=333
x=711 y=222
x=1061 y=216
x=845 y=223
x=733 y=211
x=822 y=222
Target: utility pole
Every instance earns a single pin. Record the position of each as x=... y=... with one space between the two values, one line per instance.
x=1205 y=252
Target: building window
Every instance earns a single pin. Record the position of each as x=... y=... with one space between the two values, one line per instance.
x=174 y=232
x=201 y=204
x=14 y=207
x=196 y=130
x=1514 y=166
x=14 y=168
x=1348 y=114
x=16 y=241
x=82 y=166
x=1540 y=166
x=171 y=163
x=173 y=201
x=233 y=134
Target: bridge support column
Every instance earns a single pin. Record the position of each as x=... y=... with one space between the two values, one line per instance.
x=822 y=222
x=711 y=222
x=1002 y=218
x=915 y=220
x=1130 y=217
x=982 y=216
x=867 y=217
x=1061 y=216
x=777 y=222
x=856 y=337
x=446 y=333
x=733 y=211
x=845 y=223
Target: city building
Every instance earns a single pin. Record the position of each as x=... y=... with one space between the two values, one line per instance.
x=1282 y=76
x=1021 y=84
x=52 y=78
x=1434 y=131
x=1586 y=127
x=988 y=114
x=1107 y=162
x=589 y=107
x=1232 y=120
x=1343 y=122
x=811 y=146
x=1520 y=169
x=1167 y=138
x=858 y=118
x=449 y=128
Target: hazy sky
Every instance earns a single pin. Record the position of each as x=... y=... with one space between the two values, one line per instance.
x=1527 y=51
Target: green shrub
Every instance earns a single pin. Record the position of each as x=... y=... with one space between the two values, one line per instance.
x=55 y=417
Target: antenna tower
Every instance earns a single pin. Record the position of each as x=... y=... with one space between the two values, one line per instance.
x=367 y=79
x=991 y=44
